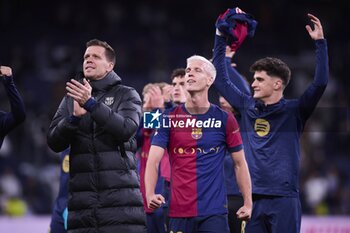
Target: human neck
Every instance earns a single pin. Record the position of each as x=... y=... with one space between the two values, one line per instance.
x=197 y=103
x=272 y=99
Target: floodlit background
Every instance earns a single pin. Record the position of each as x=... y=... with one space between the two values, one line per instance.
x=44 y=42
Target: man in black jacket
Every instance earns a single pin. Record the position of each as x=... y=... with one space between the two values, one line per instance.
x=9 y=120
x=98 y=120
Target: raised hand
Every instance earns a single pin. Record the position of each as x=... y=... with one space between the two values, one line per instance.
x=156 y=96
x=230 y=53
x=167 y=90
x=5 y=71
x=79 y=92
x=317 y=32
x=78 y=111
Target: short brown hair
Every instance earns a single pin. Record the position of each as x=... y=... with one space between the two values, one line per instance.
x=273 y=67
x=178 y=72
x=110 y=54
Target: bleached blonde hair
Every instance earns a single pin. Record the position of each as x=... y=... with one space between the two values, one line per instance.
x=208 y=66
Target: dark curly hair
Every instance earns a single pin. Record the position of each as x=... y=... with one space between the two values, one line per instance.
x=273 y=67
x=178 y=72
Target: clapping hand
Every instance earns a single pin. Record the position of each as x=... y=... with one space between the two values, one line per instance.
x=80 y=93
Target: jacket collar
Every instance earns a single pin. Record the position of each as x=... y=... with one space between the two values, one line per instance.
x=262 y=110
x=103 y=85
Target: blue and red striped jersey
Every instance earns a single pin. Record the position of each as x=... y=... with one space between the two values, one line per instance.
x=197 y=145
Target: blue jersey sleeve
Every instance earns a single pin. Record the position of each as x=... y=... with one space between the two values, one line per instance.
x=9 y=120
x=223 y=82
x=233 y=135
x=310 y=98
x=237 y=79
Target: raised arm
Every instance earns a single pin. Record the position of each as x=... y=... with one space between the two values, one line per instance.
x=238 y=80
x=232 y=27
x=310 y=98
x=223 y=83
x=317 y=32
x=10 y=120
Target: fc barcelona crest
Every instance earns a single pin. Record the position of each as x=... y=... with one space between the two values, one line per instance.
x=196 y=133
x=109 y=101
x=65 y=164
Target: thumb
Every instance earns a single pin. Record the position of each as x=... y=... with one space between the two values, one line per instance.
x=161 y=198
x=86 y=82
x=308 y=28
x=241 y=212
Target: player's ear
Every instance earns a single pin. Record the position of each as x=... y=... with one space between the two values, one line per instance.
x=110 y=66
x=277 y=84
x=210 y=81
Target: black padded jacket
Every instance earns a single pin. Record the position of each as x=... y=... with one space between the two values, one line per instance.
x=104 y=193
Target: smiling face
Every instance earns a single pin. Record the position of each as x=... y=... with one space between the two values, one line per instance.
x=96 y=65
x=265 y=86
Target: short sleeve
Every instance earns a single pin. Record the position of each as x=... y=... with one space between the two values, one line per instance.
x=233 y=135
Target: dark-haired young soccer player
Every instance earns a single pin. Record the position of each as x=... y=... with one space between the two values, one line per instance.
x=179 y=93
x=197 y=135
x=273 y=127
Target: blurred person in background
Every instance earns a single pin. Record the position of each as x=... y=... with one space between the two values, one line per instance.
x=10 y=188
x=11 y=194
x=60 y=211
x=154 y=98
x=9 y=120
x=179 y=93
x=178 y=96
